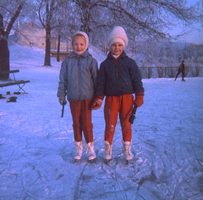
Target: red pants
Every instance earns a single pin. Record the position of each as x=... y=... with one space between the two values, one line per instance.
x=114 y=105
x=82 y=120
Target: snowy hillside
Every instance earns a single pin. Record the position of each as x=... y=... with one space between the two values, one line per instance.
x=37 y=145
x=28 y=54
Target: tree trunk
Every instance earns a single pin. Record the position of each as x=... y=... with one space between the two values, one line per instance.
x=4 y=58
x=4 y=52
x=58 y=48
x=48 y=46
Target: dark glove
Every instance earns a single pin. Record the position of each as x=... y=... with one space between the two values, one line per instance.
x=139 y=96
x=97 y=103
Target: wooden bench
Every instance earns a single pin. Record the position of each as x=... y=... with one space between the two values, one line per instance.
x=62 y=54
x=20 y=83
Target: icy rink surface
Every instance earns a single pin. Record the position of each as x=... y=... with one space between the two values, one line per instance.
x=37 y=145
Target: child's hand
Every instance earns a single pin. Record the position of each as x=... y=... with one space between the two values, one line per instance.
x=62 y=101
x=139 y=99
x=97 y=103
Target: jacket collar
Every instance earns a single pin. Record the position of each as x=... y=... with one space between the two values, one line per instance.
x=123 y=55
x=85 y=54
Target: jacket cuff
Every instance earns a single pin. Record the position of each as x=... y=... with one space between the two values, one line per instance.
x=99 y=97
x=139 y=94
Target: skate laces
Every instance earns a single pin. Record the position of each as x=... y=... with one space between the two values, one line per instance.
x=127 y=150
x=108 y=149
x=79 y=153
x=79 y=148
x=89 y=149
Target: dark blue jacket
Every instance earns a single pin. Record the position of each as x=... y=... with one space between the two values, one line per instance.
x=119 y=76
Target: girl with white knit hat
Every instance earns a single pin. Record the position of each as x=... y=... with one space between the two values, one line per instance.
x=118 y=79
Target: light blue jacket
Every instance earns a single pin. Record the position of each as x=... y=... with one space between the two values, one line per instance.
x=78 y=77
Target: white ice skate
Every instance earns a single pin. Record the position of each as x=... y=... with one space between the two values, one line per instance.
x=79 y=149
x=126 y=150
x=91 y=152
x=107 y=152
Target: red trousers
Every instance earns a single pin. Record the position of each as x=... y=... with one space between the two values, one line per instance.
x=82 y=120
x=114 y=105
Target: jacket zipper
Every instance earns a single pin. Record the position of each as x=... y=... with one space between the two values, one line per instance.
x=79 y=77
x=117 y=77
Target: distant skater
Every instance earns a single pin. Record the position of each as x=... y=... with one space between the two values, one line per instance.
x=181 y=69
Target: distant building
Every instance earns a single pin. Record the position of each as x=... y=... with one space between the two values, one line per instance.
x=34 y=35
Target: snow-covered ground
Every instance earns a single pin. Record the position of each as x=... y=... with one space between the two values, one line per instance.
x=37 y=145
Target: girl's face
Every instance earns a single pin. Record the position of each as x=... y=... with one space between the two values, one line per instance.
x=116 y=48
x=79 y=43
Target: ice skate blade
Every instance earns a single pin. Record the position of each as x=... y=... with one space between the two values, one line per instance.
x=92 y=161
x=128 y=162
x=76 y=160
x=107 y=161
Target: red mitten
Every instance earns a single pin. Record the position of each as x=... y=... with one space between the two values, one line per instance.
x=139 y=99
x=97 y=103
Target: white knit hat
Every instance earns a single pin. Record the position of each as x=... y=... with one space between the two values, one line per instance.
x=86 y=40
x=118 y=34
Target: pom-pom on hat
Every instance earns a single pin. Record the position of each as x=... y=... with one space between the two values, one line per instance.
x=86 y=40
x=118 y=34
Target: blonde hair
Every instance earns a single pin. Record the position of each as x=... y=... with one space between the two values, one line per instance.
x=78 y=35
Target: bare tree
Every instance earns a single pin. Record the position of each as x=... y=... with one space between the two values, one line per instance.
x=48 y=12
x=141 y=19
x=4 y=33
x=146 y=19
x=45 y=18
